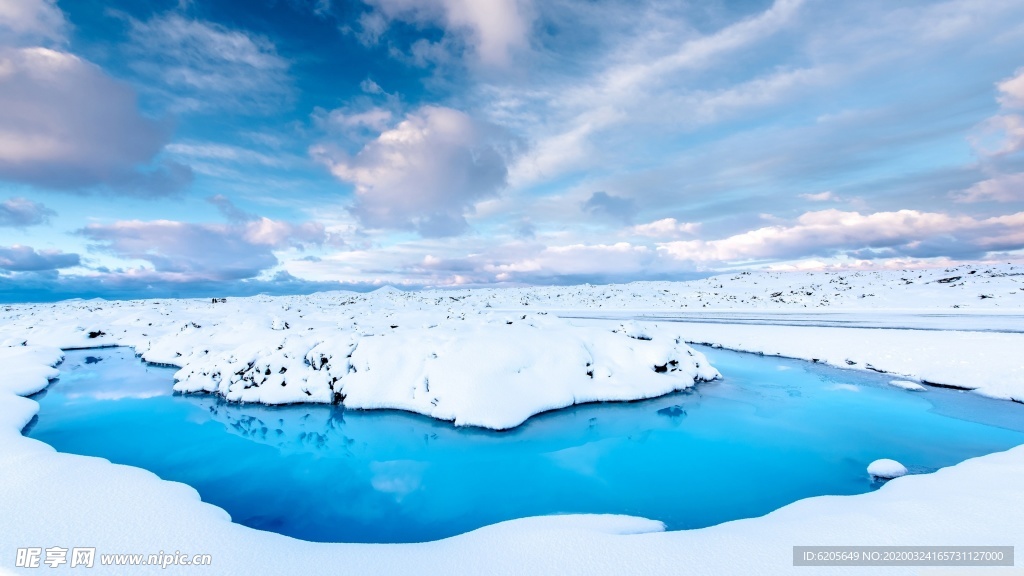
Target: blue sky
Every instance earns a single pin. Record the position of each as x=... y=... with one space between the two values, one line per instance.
x=207 y=148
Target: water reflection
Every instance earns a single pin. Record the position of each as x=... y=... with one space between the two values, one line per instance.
x=336 y=432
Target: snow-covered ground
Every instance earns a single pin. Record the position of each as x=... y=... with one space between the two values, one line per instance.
x=442 y=356
x=493 y=357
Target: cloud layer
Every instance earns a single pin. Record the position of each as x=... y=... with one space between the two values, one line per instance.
x=21 y=212
x=19 y=258
x=201 y=66
x=827 y=233
x=455 y=142
x=492 y=29
x=187 y=251
x=31 y=22
x=425 y=173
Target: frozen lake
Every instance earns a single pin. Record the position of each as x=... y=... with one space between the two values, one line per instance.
x=771 y=432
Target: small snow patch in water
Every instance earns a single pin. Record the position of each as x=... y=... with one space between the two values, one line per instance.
x=886 y=469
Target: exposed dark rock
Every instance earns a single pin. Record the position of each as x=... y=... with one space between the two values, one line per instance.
x=675 y=411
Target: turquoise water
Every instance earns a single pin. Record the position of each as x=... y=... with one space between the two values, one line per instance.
x=772 y=432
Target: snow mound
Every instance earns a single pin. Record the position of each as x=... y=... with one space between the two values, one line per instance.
x=907 y=385
x=477 y=372
x=886 y=469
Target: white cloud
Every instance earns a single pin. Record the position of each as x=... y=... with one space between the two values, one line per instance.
x=999 y=135
x=665 y=228
x=423 y=174
x=20 y=212
x=493 y=29
x=30 y=22
x=1001 y=188
x=646 y=82
x=195 y=150
x=1003 y=133
x=998 y=141
x=1011 y=90
x=204 y=66
x=53 y=106
x=620 y=259
x=375 y=118
x=827 y=232
x=370 y=87
x=827 y=196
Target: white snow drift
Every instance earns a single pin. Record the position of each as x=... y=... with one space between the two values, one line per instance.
x=886 y=469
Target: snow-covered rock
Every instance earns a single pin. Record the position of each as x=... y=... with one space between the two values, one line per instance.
x=886 y=469
x=477 y=371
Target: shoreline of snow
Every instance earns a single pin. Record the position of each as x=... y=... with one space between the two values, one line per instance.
x=121 y=509
x=480 y=369
x=979 y=362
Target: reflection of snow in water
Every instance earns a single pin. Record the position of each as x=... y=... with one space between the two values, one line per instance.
x=397 y=477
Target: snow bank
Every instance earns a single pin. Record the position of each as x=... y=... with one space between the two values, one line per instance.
x=986 y=363
x=886 y=469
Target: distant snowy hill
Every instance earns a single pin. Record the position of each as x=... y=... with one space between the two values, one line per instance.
x=967 y=287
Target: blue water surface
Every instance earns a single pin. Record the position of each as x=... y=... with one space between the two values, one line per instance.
x=771 y=432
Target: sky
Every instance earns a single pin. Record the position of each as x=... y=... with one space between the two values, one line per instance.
x=180 y=148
